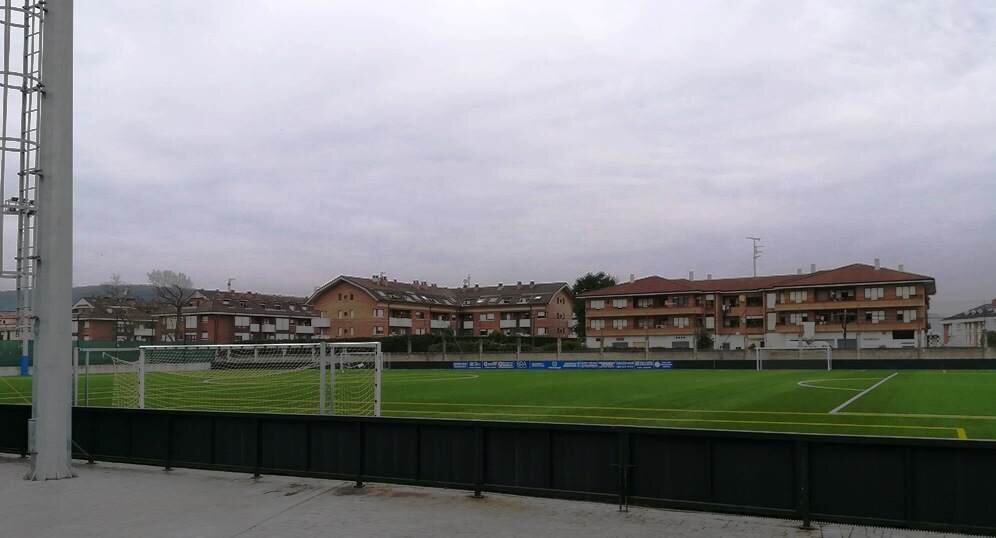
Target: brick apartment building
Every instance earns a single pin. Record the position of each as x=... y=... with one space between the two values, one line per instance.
x=882 y=308
x=377 y=306
x=225 y=317
x=969 y=327
x=8 y=325
x=103 y=319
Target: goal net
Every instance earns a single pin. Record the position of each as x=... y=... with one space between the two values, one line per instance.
x=815 y=355
x=321 y=378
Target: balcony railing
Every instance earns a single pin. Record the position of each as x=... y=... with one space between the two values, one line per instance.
x=304 y=329
x=525 y=323
x=320 y=322
x=468 y=325
x=439 y=324
x=399 y=322
x=507 y=324
x=268 y=328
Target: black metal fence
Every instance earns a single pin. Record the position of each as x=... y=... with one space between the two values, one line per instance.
x=917 y=483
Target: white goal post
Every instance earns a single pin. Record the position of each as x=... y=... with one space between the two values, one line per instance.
x=342 y=378
x=815 y=350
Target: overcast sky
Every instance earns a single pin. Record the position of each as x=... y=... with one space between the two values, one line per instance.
x=283 y=143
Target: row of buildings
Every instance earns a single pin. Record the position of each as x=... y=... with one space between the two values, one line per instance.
x=857 y=305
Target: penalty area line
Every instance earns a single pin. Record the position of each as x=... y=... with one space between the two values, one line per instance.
x=837 y=409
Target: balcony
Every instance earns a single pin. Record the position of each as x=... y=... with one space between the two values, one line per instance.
x=439 y=324
x=254 y=327
x=525 y=323
x=304 y=329
x=268 y=328
x=877 y=304
x=399 y=322
x=142 y=331
x=323 y=323
x=507 y=324
x=647 y=311
x=468 y=325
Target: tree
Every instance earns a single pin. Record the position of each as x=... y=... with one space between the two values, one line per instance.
x=584 y=283
x=173 y=290
x=704 y=340
x=116 y=293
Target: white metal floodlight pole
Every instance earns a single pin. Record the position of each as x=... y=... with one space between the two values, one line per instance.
x=53 y=375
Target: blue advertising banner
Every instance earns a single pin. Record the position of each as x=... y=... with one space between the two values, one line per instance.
x=562 y=365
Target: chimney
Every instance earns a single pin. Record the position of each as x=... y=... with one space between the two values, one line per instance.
x=433 y=284
x=518 y=284
x=477 y=286
x=691 y=275
x=708 y=276
x=532 y=283
x=632 y=277
x=901 y=268
x=466 y=284
x=798 y=270
x=812 y=268
x=878 y=264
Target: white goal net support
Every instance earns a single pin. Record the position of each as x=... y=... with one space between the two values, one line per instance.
x=803 y=356
x=320 y=378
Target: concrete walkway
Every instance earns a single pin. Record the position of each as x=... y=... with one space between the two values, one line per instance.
x=111 y=500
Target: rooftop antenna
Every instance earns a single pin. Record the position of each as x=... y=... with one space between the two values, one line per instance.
x=757 y=251
x=229 y=284
x=466 y=281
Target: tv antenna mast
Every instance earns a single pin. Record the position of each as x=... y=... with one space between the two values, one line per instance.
x=757 y=251
x=229 y=284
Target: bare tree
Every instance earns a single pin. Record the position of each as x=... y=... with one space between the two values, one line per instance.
x=173 y=290
x=117 y=294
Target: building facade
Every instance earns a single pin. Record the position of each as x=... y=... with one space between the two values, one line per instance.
x=8 y=325
x=969 y=327
x=377 y=306
x=226 y=317
x=855 y=305
x=110 y=320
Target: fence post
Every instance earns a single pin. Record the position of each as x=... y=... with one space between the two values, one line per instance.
x=518 y=347
x=623 y=467
x=480 y=349
x=479 y=458
x=360 y=443
x=802 y=478
x=76 y=375
x=259 y=447
x=558 y=348
x=86 y=378
x=646 y=348
x=408 y=341
x=444 y=348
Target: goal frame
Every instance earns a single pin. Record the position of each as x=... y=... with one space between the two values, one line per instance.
x=326 y=356
x=812 y=346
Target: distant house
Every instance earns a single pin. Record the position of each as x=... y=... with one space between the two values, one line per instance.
x=112 y=320
x=969 y=327
x=378 y=306
x=225 y=317
x=8 y=325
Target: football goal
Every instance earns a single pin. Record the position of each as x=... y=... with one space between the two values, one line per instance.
x=319 y=378
x=807 y=355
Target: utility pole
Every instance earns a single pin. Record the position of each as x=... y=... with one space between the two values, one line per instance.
x=757 y=251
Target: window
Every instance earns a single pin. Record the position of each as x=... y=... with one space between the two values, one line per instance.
x=540 y=314
x=484 y=332
x=755 y=323
x=190 y=322
x=598 y=324
x=798 y=317
x=903 y=335
x=753 y=300
x=242 y=304
x=644 y=302
x=204 y=336
x=619 y=323
x=226 y=302
x=283 y=324
x=906 y=315
x=596 y=304
x=262 y=305
x=619 y=303
x=905 y=292
x=797 y=296
x=487 y=317
x=679 y=322
x=419 y=331
x=540 y=331
x=874 y=293
x=241 y=321
x=678 y=300
x=731 y=322
x=170 y=323
x=419 y=314
x=874 y=316
x=378 y=312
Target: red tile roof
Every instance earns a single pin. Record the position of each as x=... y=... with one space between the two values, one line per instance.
x=856 y=273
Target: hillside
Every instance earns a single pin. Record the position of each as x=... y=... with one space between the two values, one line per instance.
x=8 y=299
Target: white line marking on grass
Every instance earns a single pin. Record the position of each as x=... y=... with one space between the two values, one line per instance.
x=806 y=383
x=835 y=410
x=17 y=392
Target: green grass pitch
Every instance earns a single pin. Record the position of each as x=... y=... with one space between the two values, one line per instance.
x=955 y=404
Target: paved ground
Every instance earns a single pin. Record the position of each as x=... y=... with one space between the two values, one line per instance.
x=110 y=500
